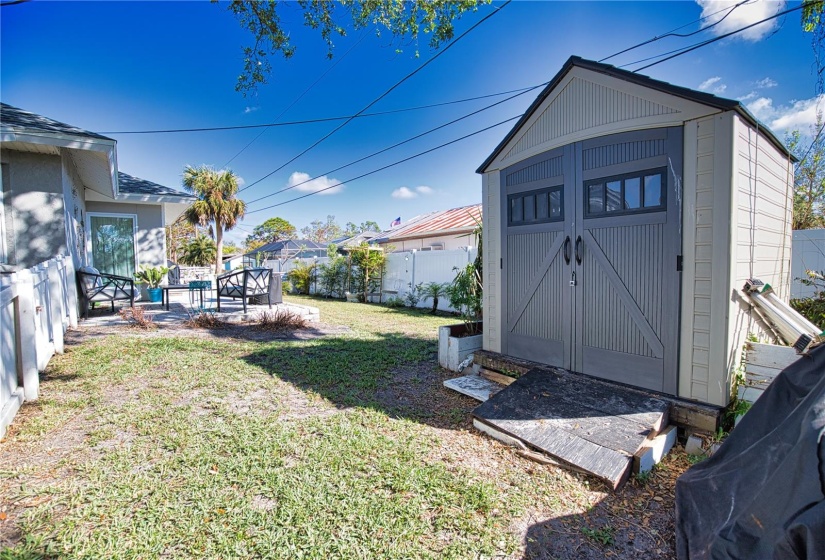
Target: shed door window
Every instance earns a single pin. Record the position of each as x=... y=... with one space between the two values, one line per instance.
x=113 y=244
x=625 y=194
x=535 y=207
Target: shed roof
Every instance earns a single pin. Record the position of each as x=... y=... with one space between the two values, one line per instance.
x=18 y=120
x=705 y=98
x=128 y=184
x=454 y=220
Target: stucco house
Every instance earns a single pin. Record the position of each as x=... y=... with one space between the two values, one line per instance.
x=434 y=231
x=62 y=194
x=622 y=217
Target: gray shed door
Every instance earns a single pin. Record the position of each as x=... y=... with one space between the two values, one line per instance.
x=591 y=241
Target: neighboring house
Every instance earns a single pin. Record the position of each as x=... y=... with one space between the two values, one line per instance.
x=356 y=240
x=282 y=250
x=231 y=262
x=622 y=215
x=439 y=230
x=62 y=194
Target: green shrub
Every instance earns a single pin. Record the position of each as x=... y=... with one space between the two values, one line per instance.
x=394 y=302
x=301 y=276
x=812 y=309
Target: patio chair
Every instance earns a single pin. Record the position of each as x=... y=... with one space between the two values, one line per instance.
x=96 y=286
x=244 y=284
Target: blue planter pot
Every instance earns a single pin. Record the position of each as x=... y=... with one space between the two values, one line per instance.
x=155 y=294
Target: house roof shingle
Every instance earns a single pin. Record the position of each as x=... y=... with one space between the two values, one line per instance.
x=132 y=185
x=17 y=120
x=705 y=98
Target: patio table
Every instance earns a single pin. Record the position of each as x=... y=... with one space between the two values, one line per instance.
x=195 y=285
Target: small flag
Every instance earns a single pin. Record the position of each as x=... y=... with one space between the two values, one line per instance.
x=396 y=222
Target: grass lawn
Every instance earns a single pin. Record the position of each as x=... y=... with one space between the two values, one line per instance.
x=338 y=442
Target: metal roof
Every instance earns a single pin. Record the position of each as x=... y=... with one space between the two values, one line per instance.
x=454 y=220
x=644 y=81
x=128 y=184
x=17 y=120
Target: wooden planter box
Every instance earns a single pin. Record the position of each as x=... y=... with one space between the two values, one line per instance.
x=454 y=345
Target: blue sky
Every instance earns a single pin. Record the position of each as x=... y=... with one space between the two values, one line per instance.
x=127 y=66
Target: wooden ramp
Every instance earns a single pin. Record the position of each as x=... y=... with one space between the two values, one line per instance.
x=590 y=425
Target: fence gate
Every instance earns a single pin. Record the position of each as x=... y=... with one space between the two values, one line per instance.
x=590 y=257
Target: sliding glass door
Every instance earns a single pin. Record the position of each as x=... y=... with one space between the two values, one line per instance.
x=113 y=243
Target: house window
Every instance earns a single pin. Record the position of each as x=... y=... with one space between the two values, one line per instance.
x=112 y=240
x=631 y=193
x=535 y=207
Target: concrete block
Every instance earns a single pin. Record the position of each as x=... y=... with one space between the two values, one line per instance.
x=654 y=450
x=694 y=446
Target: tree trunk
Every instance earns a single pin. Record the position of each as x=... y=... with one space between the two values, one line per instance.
x=219 y=245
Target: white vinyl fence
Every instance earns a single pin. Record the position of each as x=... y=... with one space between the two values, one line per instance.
x=37 y=305
x=808 y=253
x=404 y=270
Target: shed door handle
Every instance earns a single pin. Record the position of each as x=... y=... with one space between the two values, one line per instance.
x=567 y=250
x=579 y=249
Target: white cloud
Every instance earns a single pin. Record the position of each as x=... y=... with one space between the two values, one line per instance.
x=745 y=14
x=766 y=83
x=425 y=190
x=707 y=84
x=241 y=181
x=748 y=97
x=712 y=85
x=322 y=185
x=404 y=192
x=248 y=110
x=798 y=115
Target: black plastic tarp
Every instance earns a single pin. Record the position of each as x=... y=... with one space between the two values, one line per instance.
x=762 y=494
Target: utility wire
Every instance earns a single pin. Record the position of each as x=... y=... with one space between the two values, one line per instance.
x=682 y=51
x=323 y=119
x=419 y=154
x=673 y=34
x=297 y=99
x=719 y=38
x=383 y=95
x=811 y=147
x=381 y=151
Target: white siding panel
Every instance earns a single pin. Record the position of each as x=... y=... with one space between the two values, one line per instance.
x=705 y=243
x=491 y=225
x=587 y=104
x=761 y=228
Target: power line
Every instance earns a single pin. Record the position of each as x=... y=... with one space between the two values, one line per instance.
x=683 y=35
x=719 y=38
x=419 y=154
x=322 y=119
x=381 y=151
x=383 y=95
x=297 y=99
x=811 y=147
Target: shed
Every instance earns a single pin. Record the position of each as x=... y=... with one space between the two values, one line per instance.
x=622 y=214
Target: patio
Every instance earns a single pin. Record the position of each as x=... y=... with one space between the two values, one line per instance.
x=182 y=306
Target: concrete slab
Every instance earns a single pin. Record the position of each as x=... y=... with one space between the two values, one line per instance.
x=474 y=386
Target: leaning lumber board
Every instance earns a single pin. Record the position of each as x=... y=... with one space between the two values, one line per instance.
x=770 y=355
x=495 y=376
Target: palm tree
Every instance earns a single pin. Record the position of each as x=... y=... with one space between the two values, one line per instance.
x=199 y=252
x=433 y=291
x=216 y=202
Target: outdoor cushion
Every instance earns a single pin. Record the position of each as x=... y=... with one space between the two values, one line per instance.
x=91 y=282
